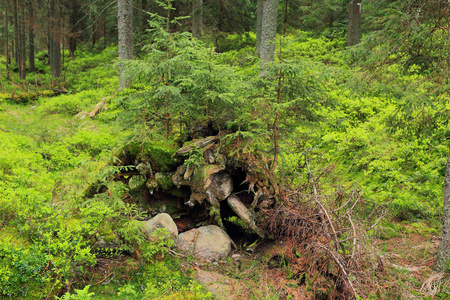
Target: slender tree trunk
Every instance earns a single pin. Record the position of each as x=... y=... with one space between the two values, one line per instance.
x=268 y=33
x=197 y=18
x=443 y=255
x=16 y=32
x=354 y=23
x=22 y=46
x=7 y=41
x=259 y=16
x=3 y=37
x=31 y=63
x=166 y=75
x=19 y=37
x=54 y=53
x=125 y=23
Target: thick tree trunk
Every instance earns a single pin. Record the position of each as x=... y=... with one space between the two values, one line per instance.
x=197 y=18
x=31 y=64
x=125 y=24
x=268 y=33
x=54 y=53
x=74 y=21
x=354 y=23
x=259 y=16
x=443 y=255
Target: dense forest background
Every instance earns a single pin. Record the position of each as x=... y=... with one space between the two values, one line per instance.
x=333 y=115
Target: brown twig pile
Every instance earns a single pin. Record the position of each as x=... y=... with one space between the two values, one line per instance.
x=328 y=238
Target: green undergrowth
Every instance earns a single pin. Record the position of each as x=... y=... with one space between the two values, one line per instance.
x=366 y=129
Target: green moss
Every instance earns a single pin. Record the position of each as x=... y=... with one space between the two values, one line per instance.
x=423 y=228
x=158 y=153
x=215 y=213
x=164 y=181
x=10 y=235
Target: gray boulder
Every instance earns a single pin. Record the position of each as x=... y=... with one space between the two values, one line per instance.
x=186 y=240
x=162 y=220
x=208 y=243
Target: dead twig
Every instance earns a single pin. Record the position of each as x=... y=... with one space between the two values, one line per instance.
x=53 y=286
x=341 y=268
x=322 y=207
x=106 y=276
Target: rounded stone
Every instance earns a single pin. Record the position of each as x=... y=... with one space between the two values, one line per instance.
x=212 y=243
x=161 y=220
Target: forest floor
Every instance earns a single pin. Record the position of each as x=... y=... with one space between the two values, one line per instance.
x=408 y=261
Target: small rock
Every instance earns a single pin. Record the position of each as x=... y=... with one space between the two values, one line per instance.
x=236 y=257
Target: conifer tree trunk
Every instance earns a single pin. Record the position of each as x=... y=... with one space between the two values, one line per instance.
x=125 y=23
x=31 y=64
x=16 y=31
x=22 y=43
x=19 y=37
x=54 y=53
x=443 y=255
x=7 y=40
x=74 y=21
x=268 y=33
x=354 y=23
x=197 y=18
x=259 y=15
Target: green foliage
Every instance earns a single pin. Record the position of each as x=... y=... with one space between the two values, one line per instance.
x=72 y=104
x=159 y=244
x=179 y=79
x=83 y=294
x=383 y=130
x=236 y=42
x=195 y=158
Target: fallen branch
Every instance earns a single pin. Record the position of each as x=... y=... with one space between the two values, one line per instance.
x=98 y=107
x=341 y=268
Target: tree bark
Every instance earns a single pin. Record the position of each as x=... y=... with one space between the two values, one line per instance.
x=22 y=43
x=259 y=16
x=54 y=53
x=443 y=255
x=268 y=34
x=31 y=60
x=197 y=18
x=74 y=21
x=125 y=24
x=354 y=23
x=7 y=40
x=19 y=37
x=16 y=32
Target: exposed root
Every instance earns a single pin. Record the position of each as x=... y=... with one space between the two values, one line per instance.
x=432 y=285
